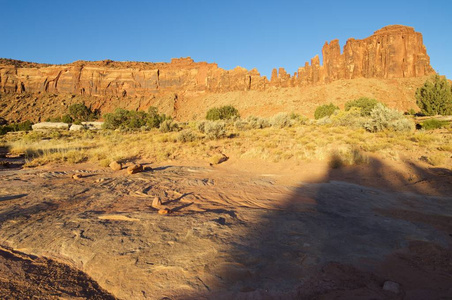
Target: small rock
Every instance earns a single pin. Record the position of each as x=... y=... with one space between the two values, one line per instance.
x=391 y=286
x=115 y=166
x=77 y=176
x=165 y=211
x=221 y=221
x=156 y=202
x=136 y=168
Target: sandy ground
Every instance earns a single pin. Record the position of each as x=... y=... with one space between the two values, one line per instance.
x=239 y=230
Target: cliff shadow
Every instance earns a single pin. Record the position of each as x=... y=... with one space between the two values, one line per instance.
x=344 y=239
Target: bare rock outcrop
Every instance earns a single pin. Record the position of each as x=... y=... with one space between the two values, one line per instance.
x=394 y=51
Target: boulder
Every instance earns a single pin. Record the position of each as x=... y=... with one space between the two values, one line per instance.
x=135 y=168
x=50 y=126
x=165 y=211
x=75 y=127
x=115 y=166
x=156 y=203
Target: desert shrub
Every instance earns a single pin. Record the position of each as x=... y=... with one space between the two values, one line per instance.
x=222 y=113
x=23 y=126
x=154 y=118
x=257 y=122
x=214 y=129
x=168 y=126
x=186 y=136
x=280 y=120
x=241 y=125
x=135 y=119
x=351 y=118
x=130 y=119
x=433 y=124
x=384 y=118
x=366 y=105
x=435 y=97
x=80 y=112
x=340 y=158
x=299 y=119
x=116 y=119
x=67 y=119
x=325 y=111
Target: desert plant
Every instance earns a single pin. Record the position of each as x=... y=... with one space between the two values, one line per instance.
x=186 y=135
x=280 y=120
x=214 y=129
x=241 y=125
x=257 y=122
x=435 y=97
x=67 y=119
x=384 y=118
x=351 y=118
x=168 y=126
x=80 y=112
x=23 y=126
x=433 y=124
x=366 y=105
x=325 y=111
x=222 y=113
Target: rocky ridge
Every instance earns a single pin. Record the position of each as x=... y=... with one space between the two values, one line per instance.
x=394 y=51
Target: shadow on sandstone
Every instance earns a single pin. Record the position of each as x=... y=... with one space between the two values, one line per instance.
x=341 y=238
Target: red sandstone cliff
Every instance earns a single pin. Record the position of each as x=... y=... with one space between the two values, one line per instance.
x=392 y=52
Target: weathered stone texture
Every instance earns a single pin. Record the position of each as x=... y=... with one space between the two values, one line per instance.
x=392 y=52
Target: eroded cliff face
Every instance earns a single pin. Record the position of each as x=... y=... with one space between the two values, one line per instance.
x=392 y=52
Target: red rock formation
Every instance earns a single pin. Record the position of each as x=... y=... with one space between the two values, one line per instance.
x=392 y=52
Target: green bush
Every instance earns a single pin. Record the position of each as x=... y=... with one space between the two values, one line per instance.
x=67 y=119
x=366 y=105
x=384 y=118
x=80 y=112
x=433 y=124
x=23 y=126
x=435 y=97
x=130 y=119
x=222 y=113
x=325 y=111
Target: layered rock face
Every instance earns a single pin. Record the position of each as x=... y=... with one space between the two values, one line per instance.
x=392 y=52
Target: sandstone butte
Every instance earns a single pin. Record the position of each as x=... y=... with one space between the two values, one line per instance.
x=186 y=89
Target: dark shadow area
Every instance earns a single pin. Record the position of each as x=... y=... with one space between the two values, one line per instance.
x=12 y=197
x=42 y=277
x=344 y=237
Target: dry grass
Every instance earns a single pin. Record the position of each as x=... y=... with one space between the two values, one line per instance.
x=340 y=145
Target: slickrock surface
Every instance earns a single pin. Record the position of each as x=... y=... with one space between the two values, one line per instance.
x=265 y=233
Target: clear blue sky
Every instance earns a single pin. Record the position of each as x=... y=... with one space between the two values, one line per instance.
x=252 y=34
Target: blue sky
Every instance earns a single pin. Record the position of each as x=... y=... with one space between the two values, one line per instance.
x=252 y=34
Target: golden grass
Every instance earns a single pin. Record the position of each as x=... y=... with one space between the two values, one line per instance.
x=345 y=145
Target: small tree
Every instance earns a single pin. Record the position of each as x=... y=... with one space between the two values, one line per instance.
x=325 y=111
x=366 y=105
x=80 y=112
x=435 y=97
